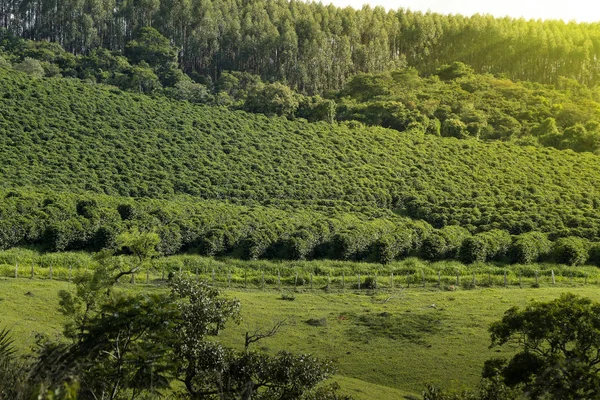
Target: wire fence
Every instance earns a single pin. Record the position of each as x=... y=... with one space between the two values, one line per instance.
x=300 y=279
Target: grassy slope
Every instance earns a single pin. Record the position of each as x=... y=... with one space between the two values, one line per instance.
x=380 y=361
x=66 y=135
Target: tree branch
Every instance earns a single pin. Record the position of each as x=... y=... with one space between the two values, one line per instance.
x=258 y=335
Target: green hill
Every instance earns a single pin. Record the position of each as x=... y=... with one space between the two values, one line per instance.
x=111 y=149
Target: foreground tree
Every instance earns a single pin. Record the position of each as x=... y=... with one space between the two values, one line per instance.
x=138 y=344
x=559 y=344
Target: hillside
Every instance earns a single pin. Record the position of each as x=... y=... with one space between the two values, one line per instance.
x=458 y=103
x=312 y=184
x=453 y=101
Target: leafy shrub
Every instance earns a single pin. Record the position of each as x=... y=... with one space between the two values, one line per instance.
x=30 y=66
x=529 y=247
x=571 y=250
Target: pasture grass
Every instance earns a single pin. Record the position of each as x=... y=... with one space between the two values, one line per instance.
x=387 y=344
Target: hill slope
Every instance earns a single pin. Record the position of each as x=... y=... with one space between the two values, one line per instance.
x=63 y=135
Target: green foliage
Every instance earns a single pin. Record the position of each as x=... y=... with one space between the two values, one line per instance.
x=492 y=388
x=571 y=250
x=188 y=90
x=4 y=63
x=11 y=368
x=454 y=128
x=444 y=243
x=467 y=105
x=312 y=47
x=139 y=344
x=141 y=245
x=153 y=49
x=558 y=347
x=453 y=71
x=74 y=155
x=315 y=108
x=485 y=246
x=529 y=247
x=455 y=101
x=272 y=99
x=31 y=66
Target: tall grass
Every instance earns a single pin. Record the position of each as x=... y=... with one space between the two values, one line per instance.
x=331 y=274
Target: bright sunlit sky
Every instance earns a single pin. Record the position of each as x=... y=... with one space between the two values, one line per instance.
x=578 y=10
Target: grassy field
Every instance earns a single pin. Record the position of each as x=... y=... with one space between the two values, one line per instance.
x=387 y=344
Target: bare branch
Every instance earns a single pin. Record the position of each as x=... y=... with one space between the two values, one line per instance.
x=258 y=335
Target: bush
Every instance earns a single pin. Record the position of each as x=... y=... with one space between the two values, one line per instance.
x=454 y=127
x=444 y=243
x=529 y=247
x=31 y=66
x=474 y=249
x=594 y=254
x=484 y=246
x=571 y=250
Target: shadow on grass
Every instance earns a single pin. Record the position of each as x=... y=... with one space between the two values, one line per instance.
x=412 y=326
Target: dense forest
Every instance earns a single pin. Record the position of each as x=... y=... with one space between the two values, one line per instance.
x=306 y=189
x=314 y=47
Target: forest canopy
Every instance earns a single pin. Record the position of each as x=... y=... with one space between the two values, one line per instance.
x=311 y=46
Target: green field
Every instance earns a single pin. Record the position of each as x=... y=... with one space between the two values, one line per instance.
x=386 y=343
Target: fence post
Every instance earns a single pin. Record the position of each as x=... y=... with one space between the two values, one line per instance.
x=16 y=270
x=392 y=280
x=296 y=280
x=520 y=279
x=278 y=280
x=358 y=280
x=457 y=278
x=553 y=278
x=407 y=280
x=50 y=272
x=536 y=278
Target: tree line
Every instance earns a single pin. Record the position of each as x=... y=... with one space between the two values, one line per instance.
x=67 y=222
x=314 y=47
